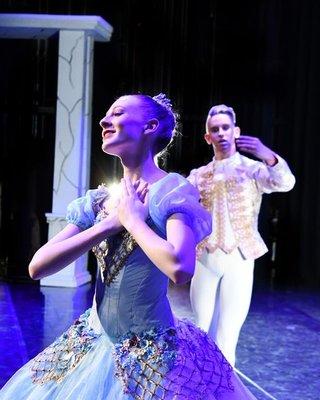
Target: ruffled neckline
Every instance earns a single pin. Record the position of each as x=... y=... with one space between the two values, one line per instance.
x=226 y=161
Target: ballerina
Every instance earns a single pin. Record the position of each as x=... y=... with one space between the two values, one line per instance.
x=129 y=345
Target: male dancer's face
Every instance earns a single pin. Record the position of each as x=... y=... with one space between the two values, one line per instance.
x=221 y=134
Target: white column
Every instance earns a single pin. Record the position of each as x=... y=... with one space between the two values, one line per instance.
x=72 y=147
x=73 y=119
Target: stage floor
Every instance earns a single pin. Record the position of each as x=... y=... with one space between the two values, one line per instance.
x=279 y=346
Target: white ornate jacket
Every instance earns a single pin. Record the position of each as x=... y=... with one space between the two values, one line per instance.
x=231 y=189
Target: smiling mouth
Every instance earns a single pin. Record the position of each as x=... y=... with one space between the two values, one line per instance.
x=107 y=133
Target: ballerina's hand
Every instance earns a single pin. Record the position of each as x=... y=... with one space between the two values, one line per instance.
x=133 y=204
x=141 y=187
x=112 y=221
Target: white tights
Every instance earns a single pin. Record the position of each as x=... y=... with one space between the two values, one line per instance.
x=220 y=296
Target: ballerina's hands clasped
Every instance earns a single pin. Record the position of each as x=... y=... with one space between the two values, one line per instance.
x=133 y=204
x=129 y=205
x=173 y=255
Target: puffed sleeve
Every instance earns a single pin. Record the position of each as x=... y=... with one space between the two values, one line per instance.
x=174 y=194
x=82 y=211
x=278 y=178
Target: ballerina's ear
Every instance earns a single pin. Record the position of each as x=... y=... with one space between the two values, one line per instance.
x=151 y=126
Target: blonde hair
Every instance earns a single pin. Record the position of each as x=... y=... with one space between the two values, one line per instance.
x=160 y=107
x=222 y=109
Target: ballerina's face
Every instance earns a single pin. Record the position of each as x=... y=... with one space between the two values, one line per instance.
x=123 y=126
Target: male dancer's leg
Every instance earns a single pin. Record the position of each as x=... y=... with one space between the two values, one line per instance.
x=203 y=291
x=234 y=302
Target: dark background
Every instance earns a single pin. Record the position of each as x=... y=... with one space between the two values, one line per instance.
x=261 y=57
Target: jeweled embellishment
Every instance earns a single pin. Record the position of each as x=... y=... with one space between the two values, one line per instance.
x=142 y=362
x=117 y=261
x=110 y=272
x=177 y=363
x=63 y=355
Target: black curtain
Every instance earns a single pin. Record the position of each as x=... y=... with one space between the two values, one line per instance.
x=259 y=56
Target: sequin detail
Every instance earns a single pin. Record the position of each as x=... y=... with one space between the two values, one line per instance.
x=63 y=355
x=143 y=360
x=234 y=198
x=110 y=272
x=179 y=363
x=127 y=244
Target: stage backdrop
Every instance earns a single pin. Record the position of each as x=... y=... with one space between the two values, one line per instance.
x=261 y=57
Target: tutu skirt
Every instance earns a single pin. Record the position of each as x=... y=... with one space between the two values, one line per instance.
x=178 y=363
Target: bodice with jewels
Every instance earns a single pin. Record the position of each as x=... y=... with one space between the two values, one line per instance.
x=116 y=263
x=131 y=292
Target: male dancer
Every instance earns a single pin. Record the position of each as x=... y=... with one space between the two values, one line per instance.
x=231 y=188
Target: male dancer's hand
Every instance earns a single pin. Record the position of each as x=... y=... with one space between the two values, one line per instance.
x=254 y=146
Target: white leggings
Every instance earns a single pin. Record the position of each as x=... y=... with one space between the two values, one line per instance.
x=220 y=296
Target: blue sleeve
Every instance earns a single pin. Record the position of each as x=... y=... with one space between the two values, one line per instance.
x=174 y=194
x=82 y=211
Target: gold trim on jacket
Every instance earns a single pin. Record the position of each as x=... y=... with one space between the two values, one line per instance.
x=231 y=189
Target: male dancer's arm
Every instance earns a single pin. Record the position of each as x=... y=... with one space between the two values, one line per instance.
x=273 y=173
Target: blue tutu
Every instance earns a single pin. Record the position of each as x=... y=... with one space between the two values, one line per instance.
x=178 y=363
x=129 y=345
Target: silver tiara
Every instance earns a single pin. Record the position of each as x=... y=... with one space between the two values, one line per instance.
x=163 y=100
